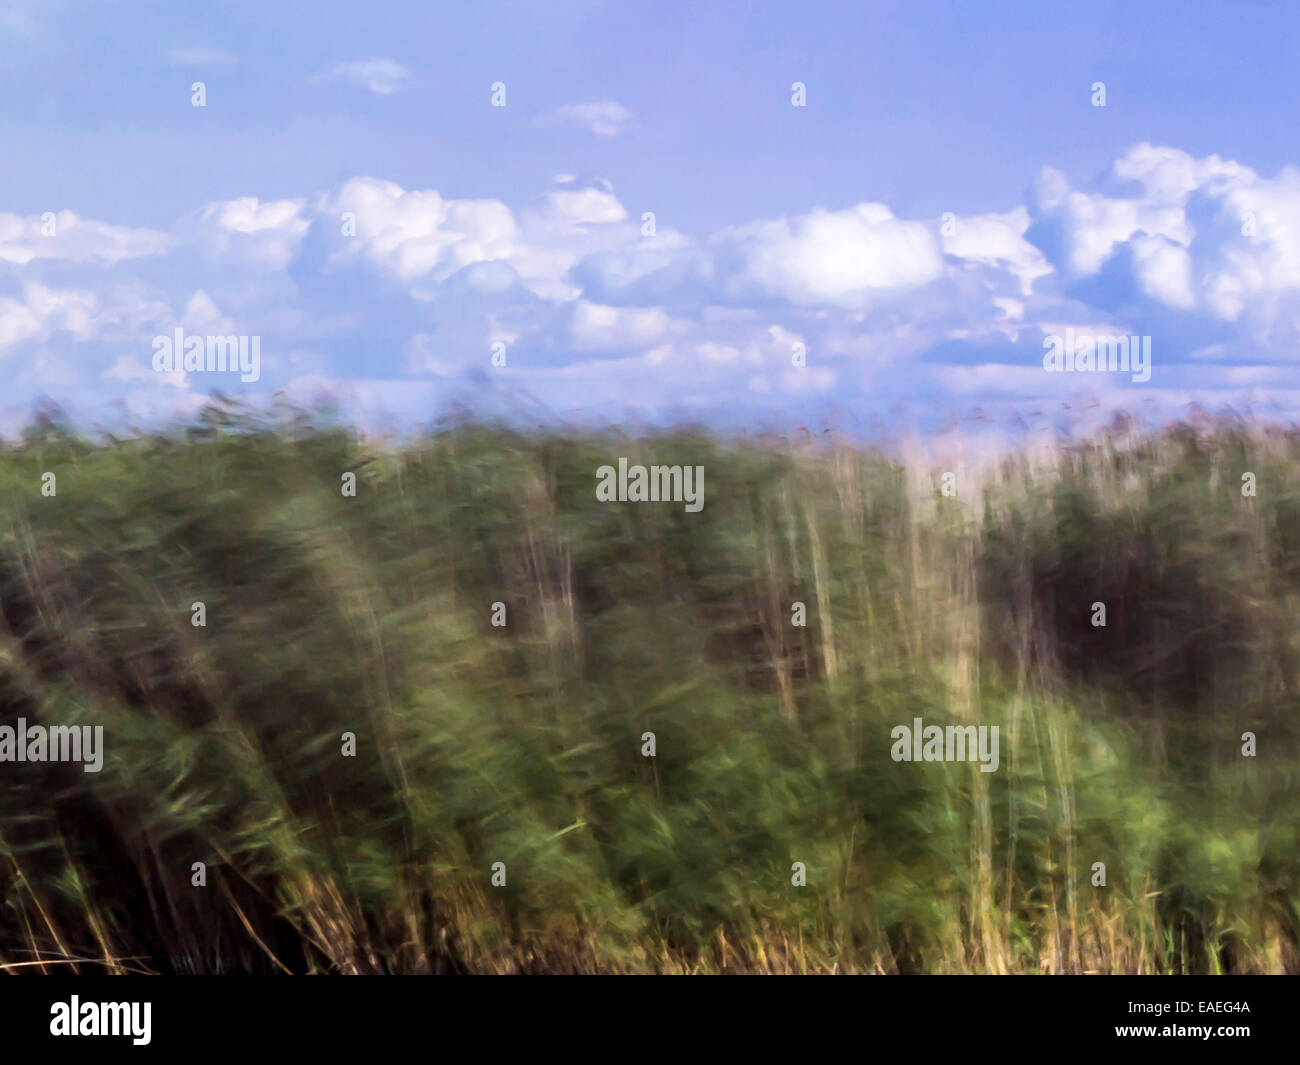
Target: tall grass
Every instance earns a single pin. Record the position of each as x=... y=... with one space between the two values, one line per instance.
x=522 y=744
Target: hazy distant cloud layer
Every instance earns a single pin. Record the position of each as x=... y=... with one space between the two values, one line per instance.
x=608 y=118
x=383 y=77
x=201 y=57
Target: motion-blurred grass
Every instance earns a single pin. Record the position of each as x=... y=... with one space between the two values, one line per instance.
x=475 y=744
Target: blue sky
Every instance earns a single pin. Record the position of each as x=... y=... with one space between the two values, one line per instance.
x=948 y=200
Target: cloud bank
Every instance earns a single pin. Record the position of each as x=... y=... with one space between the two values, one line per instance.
x=401 y=300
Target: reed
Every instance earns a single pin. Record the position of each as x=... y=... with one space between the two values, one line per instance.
x=475 y=744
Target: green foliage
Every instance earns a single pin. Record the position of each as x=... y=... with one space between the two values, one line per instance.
x=371 y=615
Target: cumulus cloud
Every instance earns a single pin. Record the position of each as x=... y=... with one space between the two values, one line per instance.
x=375 y=282
x=838 y=258
x=997 y=241
x=419 y=234
x=42 y=311
x=263 y=233
x=587 y=206
x=1196 y=235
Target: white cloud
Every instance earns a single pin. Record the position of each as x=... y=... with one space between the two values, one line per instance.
x=383 y=77
x=606 y=118
x=18 y=321
x=420 y=235
x=585 y=206
x=63 y=235
x=267 y=233
x=201 y=315
x=838 y=258
x=997 y=240
x=596 y=314
x=596 y=327
x=73 y=310
x=1201 y=234
x=1164 y=270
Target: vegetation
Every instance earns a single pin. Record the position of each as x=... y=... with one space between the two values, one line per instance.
x=521 y=744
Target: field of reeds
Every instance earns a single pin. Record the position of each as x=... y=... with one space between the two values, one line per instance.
x=522 y=744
